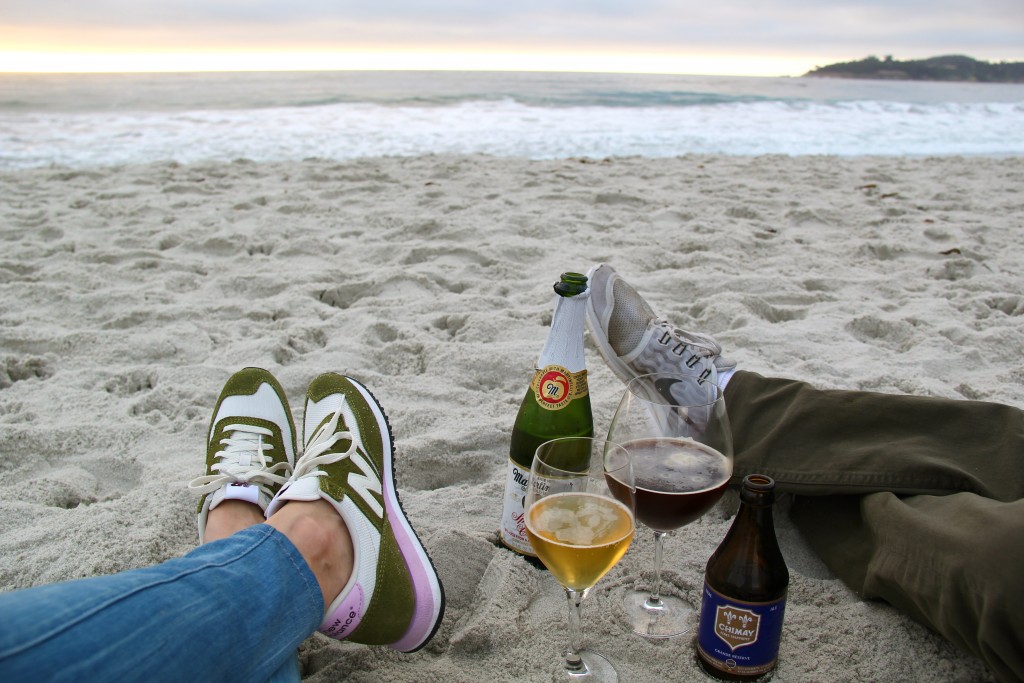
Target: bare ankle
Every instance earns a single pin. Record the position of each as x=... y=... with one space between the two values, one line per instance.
x=321 y=537
x=229 y=517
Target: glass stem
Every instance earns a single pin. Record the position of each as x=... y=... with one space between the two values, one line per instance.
x=659 y=545
x=573 y=661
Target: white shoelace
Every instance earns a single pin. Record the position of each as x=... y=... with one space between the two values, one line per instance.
x=315 y=453
x=702 y=344
x=243 y=461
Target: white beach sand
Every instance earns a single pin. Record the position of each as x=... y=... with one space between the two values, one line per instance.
x=130 y=294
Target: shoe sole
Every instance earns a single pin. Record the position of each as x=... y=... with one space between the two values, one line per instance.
x=426 y=617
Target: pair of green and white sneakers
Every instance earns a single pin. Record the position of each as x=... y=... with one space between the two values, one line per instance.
x=394 y=596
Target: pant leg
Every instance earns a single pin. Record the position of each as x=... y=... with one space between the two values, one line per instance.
x=822 y=442
x=235 y=609
x=914 y=500
x=290 y=671
x=953 y=563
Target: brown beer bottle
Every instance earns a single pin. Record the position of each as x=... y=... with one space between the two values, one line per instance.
x=744 y=597
x=557 y=404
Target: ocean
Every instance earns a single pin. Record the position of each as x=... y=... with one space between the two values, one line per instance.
x=87 y=120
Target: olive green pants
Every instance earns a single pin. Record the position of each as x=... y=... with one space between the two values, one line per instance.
x=918 y=501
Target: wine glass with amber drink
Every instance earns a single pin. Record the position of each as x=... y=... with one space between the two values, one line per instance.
x=580 y=519
x=676 y=430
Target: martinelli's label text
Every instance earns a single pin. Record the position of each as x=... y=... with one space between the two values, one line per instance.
x=513 y=516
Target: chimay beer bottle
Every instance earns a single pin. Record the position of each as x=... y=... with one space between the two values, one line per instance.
x=744 y=595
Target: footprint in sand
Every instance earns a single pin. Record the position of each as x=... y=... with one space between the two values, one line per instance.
x=132 y=382
x=58 y=469
x=502 y=595
x=342 y=296
x=894 y=334
x=299 y=343
x=1011 y=304
x=16 y=369
x=454 y=256
x=953 y=269
x=450 y=325
x=442 y=461
x=780 y=309
x=170 y=403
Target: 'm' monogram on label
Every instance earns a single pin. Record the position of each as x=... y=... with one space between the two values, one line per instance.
x=555 y=387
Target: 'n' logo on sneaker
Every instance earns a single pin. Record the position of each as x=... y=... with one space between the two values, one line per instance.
x=367 y=483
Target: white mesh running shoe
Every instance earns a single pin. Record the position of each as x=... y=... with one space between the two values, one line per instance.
x=394 y=596
x=251 y=444
x=634 y=341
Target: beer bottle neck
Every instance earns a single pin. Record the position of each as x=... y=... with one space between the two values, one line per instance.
x=757 y=515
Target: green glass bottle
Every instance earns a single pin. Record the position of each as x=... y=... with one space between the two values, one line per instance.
x=556 y=404
x=745 y=586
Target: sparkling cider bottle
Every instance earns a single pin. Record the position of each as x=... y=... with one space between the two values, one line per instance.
x=557 y=404
x=744 y=596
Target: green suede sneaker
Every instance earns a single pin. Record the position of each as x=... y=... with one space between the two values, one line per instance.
x=251 y=444
x=394 y=596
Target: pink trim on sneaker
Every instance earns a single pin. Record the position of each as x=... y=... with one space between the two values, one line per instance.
x=347 y=615
x=424 y=617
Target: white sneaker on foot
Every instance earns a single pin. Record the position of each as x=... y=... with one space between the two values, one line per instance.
x=394 y=596
x=251 y=444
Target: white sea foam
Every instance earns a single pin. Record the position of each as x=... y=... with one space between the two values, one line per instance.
x=530 y=122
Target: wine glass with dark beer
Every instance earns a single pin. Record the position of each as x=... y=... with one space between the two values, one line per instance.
x=580 y=519
x=676 y=430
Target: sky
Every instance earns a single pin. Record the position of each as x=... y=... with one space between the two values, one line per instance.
x=733 y=37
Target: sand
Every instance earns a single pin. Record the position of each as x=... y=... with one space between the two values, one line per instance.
x=130 y=294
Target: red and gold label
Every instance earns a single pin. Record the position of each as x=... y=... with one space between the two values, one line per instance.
x=554 y=387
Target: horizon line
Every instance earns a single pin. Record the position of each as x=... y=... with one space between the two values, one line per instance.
x=655 y=63
x=170 y=72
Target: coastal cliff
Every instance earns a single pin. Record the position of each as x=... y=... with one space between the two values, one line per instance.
x=944 y=68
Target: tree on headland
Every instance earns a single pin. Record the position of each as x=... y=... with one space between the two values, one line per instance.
x=944 y=68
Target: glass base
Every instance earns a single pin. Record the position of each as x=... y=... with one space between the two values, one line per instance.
x=595 y=667
x=667 y=618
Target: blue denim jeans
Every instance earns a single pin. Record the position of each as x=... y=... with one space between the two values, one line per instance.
x=234 y=609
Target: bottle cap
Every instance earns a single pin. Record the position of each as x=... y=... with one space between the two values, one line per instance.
x=571 y=284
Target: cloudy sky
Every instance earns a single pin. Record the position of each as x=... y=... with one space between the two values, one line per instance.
x=754 y=37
